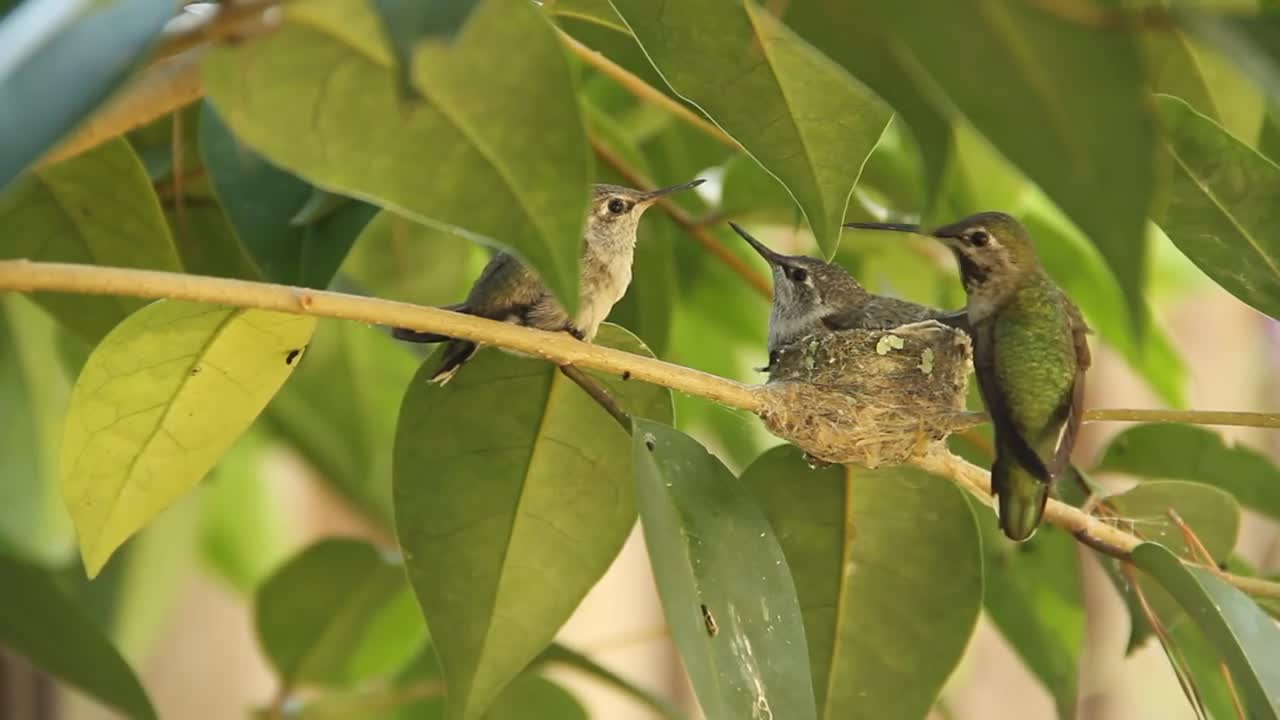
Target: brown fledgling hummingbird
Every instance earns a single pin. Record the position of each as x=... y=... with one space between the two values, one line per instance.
x=510 y=292
x=812 y=296
x=1030 y=353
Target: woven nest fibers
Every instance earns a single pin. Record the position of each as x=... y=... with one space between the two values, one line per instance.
x=870 y=397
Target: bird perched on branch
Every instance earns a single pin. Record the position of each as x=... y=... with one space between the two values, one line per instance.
x=510 y=292
x=812 y=296
x=1030 y=353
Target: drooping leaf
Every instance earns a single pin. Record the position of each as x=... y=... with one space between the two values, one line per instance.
x=316 y=614
x=41 y=623
x=1221 y=211
x=160 y=400
x=84 y=59
x=511 y=499
x=409 y=22
x=96 y=208
x=821 y=124
x=725 y=585
x=317 y=98
x=1243 y=635
x=883 y=635
x=1072 y=111
x=263 y=203
x=1172 y=451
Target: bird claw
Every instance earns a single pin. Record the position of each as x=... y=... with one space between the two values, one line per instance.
x=576 y=332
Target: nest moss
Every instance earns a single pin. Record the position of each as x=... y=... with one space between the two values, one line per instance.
x=870 y=397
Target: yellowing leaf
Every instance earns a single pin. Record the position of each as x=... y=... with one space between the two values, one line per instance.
x=159 y=401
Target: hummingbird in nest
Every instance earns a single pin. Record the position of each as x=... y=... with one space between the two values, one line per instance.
x=812 y=296
x=510 y=292
x=1030 y=353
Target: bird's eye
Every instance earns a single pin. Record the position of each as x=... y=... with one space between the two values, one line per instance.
x=617 y=207
x=796 y=274
x=978 y=238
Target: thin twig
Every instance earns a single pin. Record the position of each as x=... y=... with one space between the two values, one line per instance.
x=688 y=223
x=231 y=22
x=1197 y=417
x=599 y=394
x=644 y=91
x=1174 y=653
x=1087 y=13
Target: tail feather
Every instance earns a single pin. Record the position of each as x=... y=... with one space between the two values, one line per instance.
x=426 y=337
x=456 y=354
x=1020 y=496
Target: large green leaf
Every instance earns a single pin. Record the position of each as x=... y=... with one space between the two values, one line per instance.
x=725 y=585
x=160 y=400
x=408 y=22
x=1212 y=515
x=97 y=208
x=1172 y=451
x=511 y=499
x=346 y=435
x=83 y=59
x=1251 y=41
x=41 y=623
x=883 y=633
x=495 y=150
x=33 y=393
x=794 y=110
x=1244 y=636
x=1072 y=111
x=1223 y=206
x=317 y=614
x=263 y=203
x=560 y=655
x=398 y=259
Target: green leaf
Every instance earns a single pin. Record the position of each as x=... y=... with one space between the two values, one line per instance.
x=317 y=98
x=1073 y=112
x=724 y=582
x=245 y=526
x=1251 y=41
x=530 y=697
x=1222 y=207
x=33 y=393
x=316 y=615
x=884 y=633
x=344 y=435
x=1244 y=636
x=263 y=201
x=160 y=400
x=512 y=498
x=84 y=60
x=41 y=623
x=97 y=208
x=821 y=124
x=1186 y=452
x=408 y=22
x=1212 y=515
x=398 y=259
x=568 y=657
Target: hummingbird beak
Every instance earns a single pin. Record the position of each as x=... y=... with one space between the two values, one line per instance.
x=771 y=257
x=895 y=227
x=653 y=196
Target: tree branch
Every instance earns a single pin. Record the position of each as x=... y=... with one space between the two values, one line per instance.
x=1197 y=417
x=559 y=348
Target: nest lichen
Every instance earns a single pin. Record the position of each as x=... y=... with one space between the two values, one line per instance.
x=870 y=397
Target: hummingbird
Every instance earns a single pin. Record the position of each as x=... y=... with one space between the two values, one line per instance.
x=510 y=292
x=812 y=296
x=1030 y=352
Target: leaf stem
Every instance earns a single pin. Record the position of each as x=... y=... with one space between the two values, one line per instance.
x=599 y=394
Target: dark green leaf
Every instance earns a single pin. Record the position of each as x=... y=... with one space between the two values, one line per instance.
x=316 y=614
x=96 y=208
x=559 y=654
x=409 y=22
x=41 y=623
x=1237 y=628
x=1186 y=452
x=263 y=202
x=883 y=633
x=317 y=98
x=796 y=112
x=83 y=60
x=724 y=582
x=1223 y=206
x=511 y=499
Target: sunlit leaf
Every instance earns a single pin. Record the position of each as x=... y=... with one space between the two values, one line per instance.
x=511 y=499
x=317 y=98
x=725 y=586
x=883 y=634
x=41 y=623
x=161 y=399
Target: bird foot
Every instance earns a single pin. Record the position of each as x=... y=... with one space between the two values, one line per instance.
x=576 y=332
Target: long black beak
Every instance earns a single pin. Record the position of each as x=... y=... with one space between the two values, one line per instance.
x=655 y=195
x=770 y=256
x=895 y=227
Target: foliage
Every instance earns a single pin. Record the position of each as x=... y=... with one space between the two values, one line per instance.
x=374 y=146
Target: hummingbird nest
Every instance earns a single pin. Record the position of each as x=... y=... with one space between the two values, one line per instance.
x=870 y=397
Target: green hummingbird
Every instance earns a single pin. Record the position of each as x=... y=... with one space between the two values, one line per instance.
x=1030 y=353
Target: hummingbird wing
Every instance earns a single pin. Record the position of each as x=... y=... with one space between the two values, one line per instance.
x=1007 y=433
x=1075 y=413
